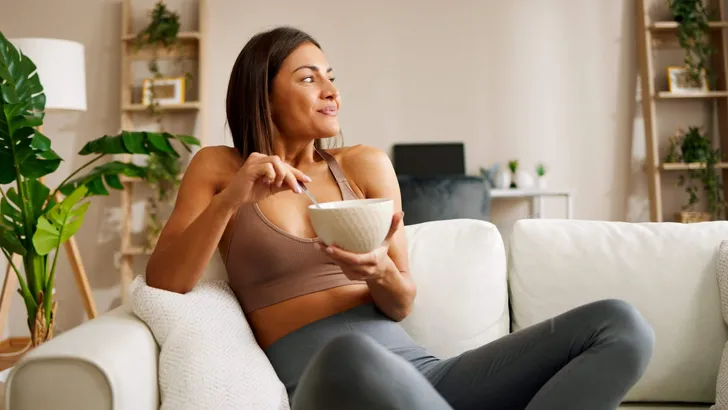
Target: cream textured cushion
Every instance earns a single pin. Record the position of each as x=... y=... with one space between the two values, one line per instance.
x=209 y=358
x=721 y=399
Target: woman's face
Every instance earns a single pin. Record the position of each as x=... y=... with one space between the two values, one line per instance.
x=304 y=101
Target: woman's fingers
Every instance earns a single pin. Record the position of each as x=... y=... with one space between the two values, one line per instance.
x=267 y=171
x=300 y=176
x=278 y=174
x=291 y=181
x=281 y=170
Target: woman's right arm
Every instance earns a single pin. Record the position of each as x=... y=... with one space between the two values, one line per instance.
x=202 y=211
x=190 y=237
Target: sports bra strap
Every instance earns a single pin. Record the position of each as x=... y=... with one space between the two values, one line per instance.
x=346 y=191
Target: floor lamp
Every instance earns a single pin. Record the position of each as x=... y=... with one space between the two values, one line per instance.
x=60 y=65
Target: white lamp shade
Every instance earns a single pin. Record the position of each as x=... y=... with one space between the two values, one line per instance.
x=61 y=67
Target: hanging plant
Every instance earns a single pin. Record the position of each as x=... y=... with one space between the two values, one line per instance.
x=693 y=35
x=162 y=30
x=162 y=174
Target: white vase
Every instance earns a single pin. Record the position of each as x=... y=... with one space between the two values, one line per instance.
x=524 y=180
x=503 y=180
x=541 y=182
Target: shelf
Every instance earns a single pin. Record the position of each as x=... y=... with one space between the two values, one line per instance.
x=124 y=178
x=667 y=95
x=692 y=165
x=184 y=35
x=187 y=46
x=188 y=106
x=136 y=250
x=526 y=193
x=673 y=25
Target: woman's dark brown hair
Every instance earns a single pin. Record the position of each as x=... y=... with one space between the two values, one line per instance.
x=251 y=82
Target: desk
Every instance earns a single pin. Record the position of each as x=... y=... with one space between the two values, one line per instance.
x=536 y=196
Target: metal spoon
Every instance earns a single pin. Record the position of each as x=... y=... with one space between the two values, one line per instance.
x=308 y=194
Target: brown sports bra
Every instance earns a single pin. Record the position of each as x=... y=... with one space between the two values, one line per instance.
x=267 y=265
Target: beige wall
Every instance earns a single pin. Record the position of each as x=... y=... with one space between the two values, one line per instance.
x=528 y=79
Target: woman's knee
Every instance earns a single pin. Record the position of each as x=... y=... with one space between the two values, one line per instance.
x=347 y=357
x=628 y=328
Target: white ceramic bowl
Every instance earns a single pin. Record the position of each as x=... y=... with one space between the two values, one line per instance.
x=358 y=225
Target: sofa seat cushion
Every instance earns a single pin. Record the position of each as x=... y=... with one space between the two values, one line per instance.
x=209 y=358
x=666 y=270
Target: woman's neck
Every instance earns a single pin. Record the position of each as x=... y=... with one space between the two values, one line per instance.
x=294 y=153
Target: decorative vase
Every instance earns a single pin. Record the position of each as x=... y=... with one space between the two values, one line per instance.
x=524 y=180
x=541 y=182
x=503 y=181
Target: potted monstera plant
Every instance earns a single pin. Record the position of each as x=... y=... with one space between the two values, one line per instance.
x=36 y=220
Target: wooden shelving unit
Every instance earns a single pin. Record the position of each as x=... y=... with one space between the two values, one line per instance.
x=190 y=47
x=650 y=36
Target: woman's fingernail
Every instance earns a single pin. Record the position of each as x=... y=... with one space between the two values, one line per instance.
x=329 y=250
x=297 y=189
x=307 y=178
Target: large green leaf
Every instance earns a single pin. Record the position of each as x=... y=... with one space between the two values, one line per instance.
x=23 y=149
x=61 y=222
x=11 y=214
x=108 y=173
x=10 y=207
x=138 y=142
x=9 y=239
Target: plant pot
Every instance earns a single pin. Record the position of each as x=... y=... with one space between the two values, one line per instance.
x=541 y=182
x=688 y=217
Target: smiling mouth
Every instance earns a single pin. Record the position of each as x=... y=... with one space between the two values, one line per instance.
x=328 y=111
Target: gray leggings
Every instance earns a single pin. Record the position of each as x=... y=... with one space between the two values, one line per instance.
x=586 y=358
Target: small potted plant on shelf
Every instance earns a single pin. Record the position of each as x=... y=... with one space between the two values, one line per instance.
x=35 y=219
x=693 y=35
x=694 y=148
x=541 y=176
x=513 y=167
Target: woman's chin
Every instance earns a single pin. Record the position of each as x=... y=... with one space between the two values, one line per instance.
x=327 y=132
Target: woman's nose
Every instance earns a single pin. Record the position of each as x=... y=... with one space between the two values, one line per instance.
x=330 y=91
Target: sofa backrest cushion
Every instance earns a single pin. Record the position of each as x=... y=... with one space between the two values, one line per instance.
x=666 y=270
x=459 y=267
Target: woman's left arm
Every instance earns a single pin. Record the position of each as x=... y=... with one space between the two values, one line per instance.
x=385 y=269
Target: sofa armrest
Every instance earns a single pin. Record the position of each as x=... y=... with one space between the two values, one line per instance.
x=106 y=363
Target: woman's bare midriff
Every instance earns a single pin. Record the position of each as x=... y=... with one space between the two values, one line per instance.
x=273 y=322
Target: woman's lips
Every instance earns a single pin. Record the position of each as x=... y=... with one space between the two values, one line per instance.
x=328 y=111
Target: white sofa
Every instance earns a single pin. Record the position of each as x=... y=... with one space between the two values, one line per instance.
x=466 y=297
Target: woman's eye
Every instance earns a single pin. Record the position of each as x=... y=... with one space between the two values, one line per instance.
x=332 y=79
x=308 y=80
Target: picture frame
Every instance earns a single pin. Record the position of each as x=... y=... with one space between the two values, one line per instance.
x=679 y=82
x=167 y=90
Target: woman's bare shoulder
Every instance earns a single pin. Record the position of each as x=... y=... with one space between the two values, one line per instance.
x=214 y=164
x=355 y=156
x=365 y=166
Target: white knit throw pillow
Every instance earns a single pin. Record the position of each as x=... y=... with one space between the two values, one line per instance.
x=209 y=358
x=721 y=399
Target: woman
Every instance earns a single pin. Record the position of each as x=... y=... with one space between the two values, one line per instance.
x=326 y=318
